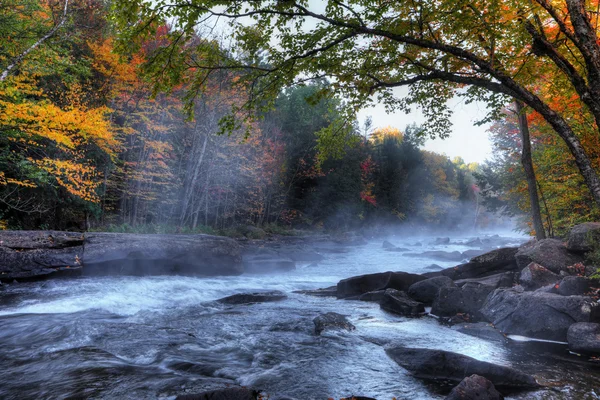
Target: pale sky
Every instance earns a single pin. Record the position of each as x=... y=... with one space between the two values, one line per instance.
x=467 y=140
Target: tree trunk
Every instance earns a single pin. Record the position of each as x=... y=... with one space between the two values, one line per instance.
x=527 y=162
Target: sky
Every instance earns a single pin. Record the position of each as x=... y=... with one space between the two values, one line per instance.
x=467 y=140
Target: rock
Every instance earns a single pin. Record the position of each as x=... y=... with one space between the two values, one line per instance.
x=503 y=279
x=472 y=253
x=491 y=263
x=584 y=237
x=398 y=302
x=434 y=267
x=426 y=291
x=36 y=255
x=222 y=394
x=447 y=366
x=387 y=245
x=438 y=255
x=481 y=330
x=418 y=244
x=358 y=285
x=467 y=299
x=249 y=298
x=375 y=296
x=398 y=249
x=475 y=387
x=324 y=292
x=474 y=243
x=537 y=314
x=139 y=254
x=573 y=286
x=535 y=276
x=441 y=240
x=332 y=320
x=584 y=337
x=266 y=265
x=551 y=253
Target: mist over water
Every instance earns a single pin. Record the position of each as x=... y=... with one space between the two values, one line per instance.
x=156 y=337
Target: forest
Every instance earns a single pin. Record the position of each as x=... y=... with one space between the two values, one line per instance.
x=102 y=130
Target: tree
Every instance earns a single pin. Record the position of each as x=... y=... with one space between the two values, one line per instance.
x=485 y=50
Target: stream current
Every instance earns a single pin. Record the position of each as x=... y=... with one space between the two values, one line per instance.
x=160 y=336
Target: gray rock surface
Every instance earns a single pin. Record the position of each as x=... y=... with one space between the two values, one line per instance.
x=357 y=285
x=551 y=253
x=257 y=297
x=584 y=337
x=467 y=299
x=534 y=276
x=475 y=387
x=332 y=321
x=584 y=237
x=427 y=290
x=398 y=302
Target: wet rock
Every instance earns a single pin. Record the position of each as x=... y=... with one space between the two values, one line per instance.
x=504 y=279
x=434 y=267
x=426 y=291
x=249 y=298
x=139 y=254
x=474 y=243
x=472 y=253
x=375 y=296
x=475 y=387
x=358 y=285
x=441 y=240
x=447 y=366
x=481 y=330
x=584 y=337
x=388 y=245
x=491 y=263
x=323 y=292
x=222 y=394
x=538 y=314
x=398 y=302
x=535 y=276
x=467 y=299
x=398 y=249
x=551 y=253
x=438 y=255
x=573 y=286
x=37 y=255
x=584 y=237
x=331 y=321
x=266 y=265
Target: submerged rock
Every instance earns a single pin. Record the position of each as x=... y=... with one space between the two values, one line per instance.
x=324 y=292
x=398 y=302
x=387 y=245
x=427 y=290
x=482 y=330
x=584 y=337
x=332 y=320
x=222 y=394
x=584 y=237
x=534 y=276
x=538 y=314
x=551 y=253
x=447 y=366
x=249 y=298
x=357 y=285
x=475 y=387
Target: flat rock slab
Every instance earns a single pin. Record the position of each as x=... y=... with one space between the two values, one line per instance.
x=332 y=321
x=250 y=298
x=323 y=292
x=482 y=330
x=447 y=366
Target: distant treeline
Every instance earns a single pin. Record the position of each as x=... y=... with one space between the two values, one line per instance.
x=85 y=145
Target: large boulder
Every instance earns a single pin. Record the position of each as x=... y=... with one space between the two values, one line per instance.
x=357 y=285
x=475 y=387
x=35 y=255
x=584 y=337
x=534 y=276
x=503 y=279
x=398 y=302
x=584 y=237
x=426 y=291
x=250 y=298
x=491 y=263
x=573 y=286
x=222 y=394
x=467 y=299
x=537 y=314
x=447 y=366
x=137 y=254
x=551 y=253
x=331 y=320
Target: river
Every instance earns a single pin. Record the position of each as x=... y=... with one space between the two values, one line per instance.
x=159 y=336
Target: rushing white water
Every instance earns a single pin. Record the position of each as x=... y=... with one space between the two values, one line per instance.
x=156 y=337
